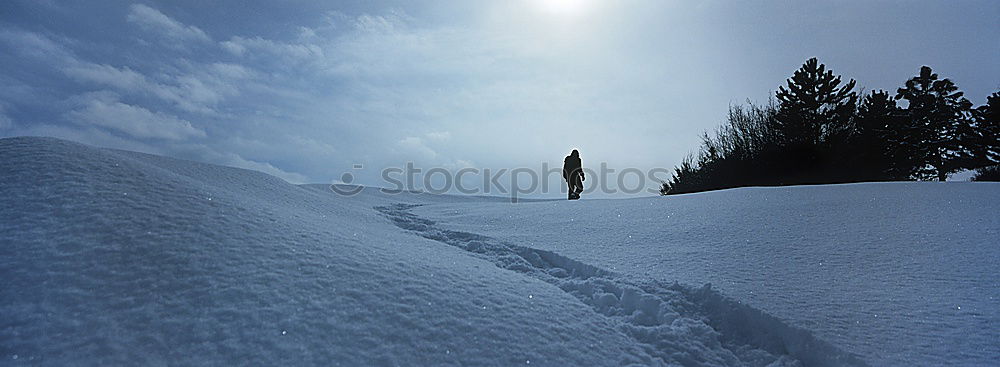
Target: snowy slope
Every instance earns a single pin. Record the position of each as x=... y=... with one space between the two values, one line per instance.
x=122 y=258
x=901 y=274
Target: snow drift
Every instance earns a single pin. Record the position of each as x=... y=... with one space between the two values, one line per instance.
x=123 y=258
x=901 y=274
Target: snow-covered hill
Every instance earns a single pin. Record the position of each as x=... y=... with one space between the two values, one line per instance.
x=902 y=274
x=123 y=258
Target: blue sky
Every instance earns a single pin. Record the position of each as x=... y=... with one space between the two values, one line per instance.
x=306 y=89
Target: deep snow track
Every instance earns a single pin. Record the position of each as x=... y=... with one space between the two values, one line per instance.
x=659 y=317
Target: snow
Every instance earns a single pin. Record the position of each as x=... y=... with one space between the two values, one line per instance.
x=899 y=274
x=122 y=258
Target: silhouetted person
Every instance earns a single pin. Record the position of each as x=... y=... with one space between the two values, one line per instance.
x=573 y=174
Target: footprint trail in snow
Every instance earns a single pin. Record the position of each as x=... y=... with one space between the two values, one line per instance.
x=674 y=323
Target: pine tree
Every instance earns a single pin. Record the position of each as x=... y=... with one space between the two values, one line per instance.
x=879 y=142
x=815 y=106
x=938 y=117
x=686 y=178
x=986 y=140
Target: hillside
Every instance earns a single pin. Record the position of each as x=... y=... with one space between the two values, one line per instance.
x=123 y=258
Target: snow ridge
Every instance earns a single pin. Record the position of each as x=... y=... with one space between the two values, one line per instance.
x=675 y=324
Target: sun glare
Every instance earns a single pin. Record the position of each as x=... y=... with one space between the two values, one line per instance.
x=563 y=7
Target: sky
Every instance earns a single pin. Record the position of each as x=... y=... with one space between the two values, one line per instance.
x=310 y=90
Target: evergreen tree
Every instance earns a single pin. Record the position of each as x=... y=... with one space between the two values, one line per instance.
x=684 y=179
x=988 y=173
x=882 y=151
x=816 y=135
x=815 y=106
x=986 y=145
x=938 y=120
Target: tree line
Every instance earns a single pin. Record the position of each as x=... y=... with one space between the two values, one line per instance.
x=817 y=129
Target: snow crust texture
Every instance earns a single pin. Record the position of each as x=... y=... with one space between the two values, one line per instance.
x=900 y=274
x=119 y=258
x=676 y=325
x=111 y=257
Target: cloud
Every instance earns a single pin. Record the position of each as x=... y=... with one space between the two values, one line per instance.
x=199 y=152
x=88 y=134
x=196 y=91
x=438 y=135
x=192 y=87
x=35 y=45
x=344 y=45
x=381 y=88
x=349 y=83
x=5 y=121
x=418 y=150
x=144 y=124
x=121 y=78
x=379 y=23
x=234 y=46
x=235 y=160
x=106 y=111
x=413 y=146
x=175 y=32
x=231 y=71
x=275 y=51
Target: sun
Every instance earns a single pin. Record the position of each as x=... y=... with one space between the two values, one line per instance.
x=563 y=7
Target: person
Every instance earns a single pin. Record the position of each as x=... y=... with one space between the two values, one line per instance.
x=573 y=174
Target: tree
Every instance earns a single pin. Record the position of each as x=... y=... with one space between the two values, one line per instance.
x=988 y=173
x=813 y=124
x=938 y=116
x=818 y=132
x=739 y=153
x=683 y=179
x=985 y=143
x=879 y=141
x=815 y=106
